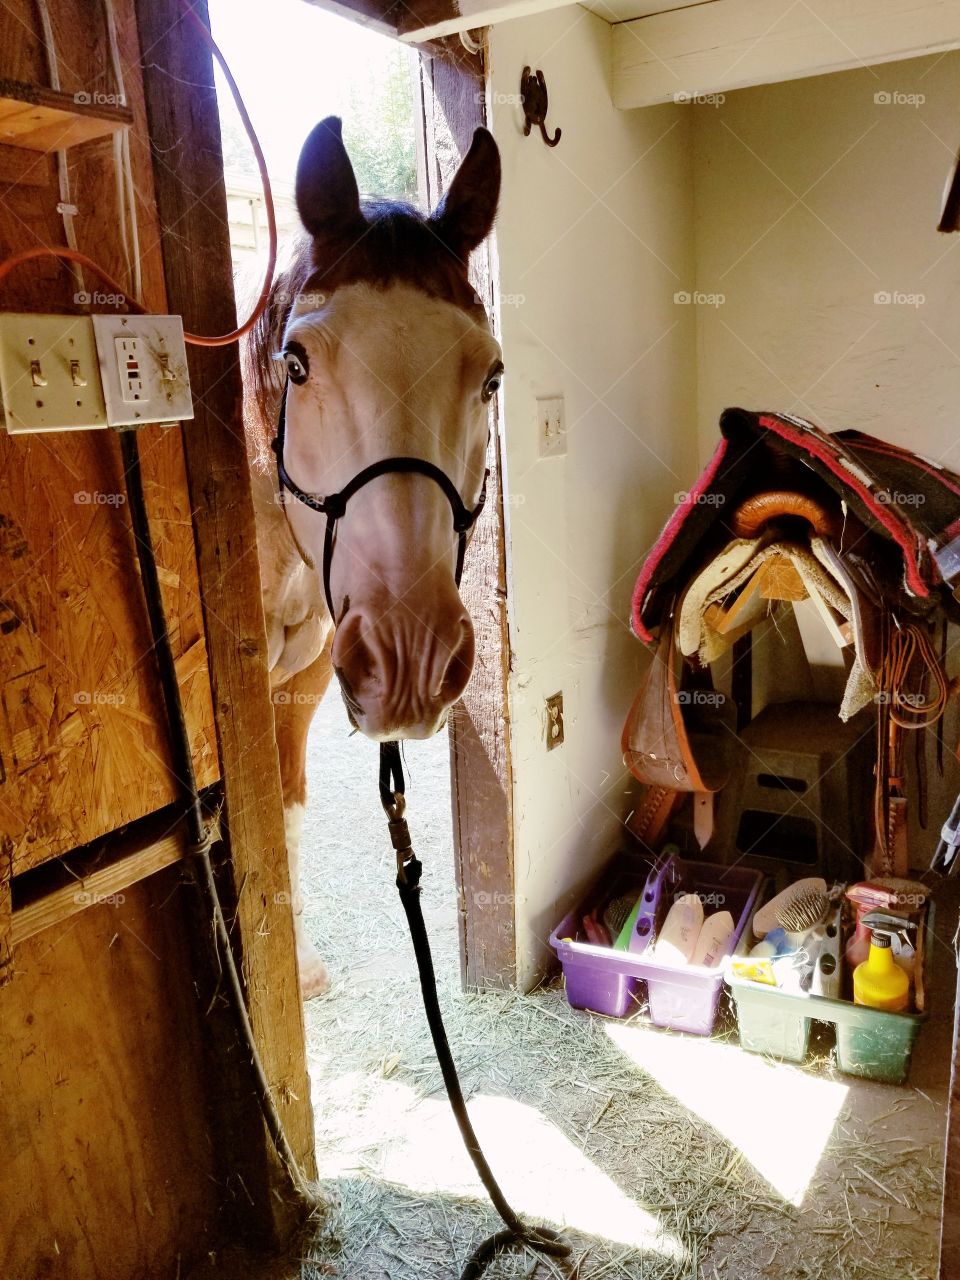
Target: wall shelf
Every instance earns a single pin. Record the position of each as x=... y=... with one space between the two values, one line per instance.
x=39 y=119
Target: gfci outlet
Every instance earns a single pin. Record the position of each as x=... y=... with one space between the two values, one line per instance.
x=49 y=375
x=551 y=429
x=143 y=364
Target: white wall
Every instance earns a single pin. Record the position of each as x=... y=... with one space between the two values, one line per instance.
x=811 y=198
x=594 y=239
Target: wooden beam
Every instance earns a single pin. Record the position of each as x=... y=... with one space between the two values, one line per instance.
x=731 y=44
x=41 y=119
x=479 y=728
x=188 y=168
x=381 y=17
x=422 y=20
x=64 y=887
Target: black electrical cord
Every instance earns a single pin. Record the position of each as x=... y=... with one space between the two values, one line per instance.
x=409 y=870
x=201 y=839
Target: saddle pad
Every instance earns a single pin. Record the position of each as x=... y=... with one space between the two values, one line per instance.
x=908 y=506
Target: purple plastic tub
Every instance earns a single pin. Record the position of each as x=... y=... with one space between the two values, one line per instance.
x=606 y=981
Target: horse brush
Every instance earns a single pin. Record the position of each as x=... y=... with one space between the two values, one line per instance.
x=804 y=911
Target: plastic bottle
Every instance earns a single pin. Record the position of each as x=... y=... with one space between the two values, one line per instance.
x=879 y=982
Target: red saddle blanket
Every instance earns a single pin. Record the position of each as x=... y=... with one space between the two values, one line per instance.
x=898 y=512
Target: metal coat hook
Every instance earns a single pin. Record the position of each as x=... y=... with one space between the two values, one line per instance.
x=533 y=95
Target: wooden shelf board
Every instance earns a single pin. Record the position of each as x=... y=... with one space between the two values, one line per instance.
x=68 y=885
x=39 y=119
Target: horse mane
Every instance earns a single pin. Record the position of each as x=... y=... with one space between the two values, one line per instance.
x=398 y=244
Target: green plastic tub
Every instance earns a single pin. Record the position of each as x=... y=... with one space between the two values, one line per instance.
x=870 y=1042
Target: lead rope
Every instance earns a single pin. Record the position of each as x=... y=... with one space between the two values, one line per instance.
x=409 y=870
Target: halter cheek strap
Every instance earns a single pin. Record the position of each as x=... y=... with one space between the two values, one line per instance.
x=334 y=506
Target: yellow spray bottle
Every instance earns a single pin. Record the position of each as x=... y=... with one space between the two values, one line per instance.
x=879 y=982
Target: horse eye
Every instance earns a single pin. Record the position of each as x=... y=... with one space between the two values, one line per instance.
x=296 y=366
x=492 y=384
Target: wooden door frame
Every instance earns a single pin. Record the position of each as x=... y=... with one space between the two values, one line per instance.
x=452 y=100
x=184 y=129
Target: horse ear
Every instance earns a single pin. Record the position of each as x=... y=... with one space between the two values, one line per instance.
x=464 y=216
x=327 y=197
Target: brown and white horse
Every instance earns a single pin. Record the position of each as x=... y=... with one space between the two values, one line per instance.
x=386 y=351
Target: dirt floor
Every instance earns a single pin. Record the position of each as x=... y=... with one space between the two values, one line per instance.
x=662 y=1156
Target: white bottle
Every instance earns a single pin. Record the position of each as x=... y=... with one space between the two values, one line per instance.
x=714 y=939
x=681 y=929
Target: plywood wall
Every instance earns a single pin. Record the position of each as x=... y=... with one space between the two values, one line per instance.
x=108 y=1167
x=82 y=734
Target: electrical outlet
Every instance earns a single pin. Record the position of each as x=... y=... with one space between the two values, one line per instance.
x=551 y=430
x=49 y=375
x=143 y=364
x=554 y=721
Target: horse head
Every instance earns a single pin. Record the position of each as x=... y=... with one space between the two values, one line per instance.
x=389 y=356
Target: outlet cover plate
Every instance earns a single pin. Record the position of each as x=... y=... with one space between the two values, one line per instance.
x=143 y=364
x=49 y=375
x=554 y=721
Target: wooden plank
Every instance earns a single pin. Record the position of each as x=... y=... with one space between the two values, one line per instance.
x=423 y=22
x=479 y=727
x=731 y=44
x=185 y=133
x=430 y=20
x=109 y=1168
x=624 y=10
x=83 y=738
x=42 y=119
x=380 y=17
x=65 y=888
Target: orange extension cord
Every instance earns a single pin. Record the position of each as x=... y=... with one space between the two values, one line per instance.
x=72 y=255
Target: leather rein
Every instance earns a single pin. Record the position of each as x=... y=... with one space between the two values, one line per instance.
x=515 y=1234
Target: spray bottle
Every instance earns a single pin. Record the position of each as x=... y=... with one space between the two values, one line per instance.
x=879 y=982
x=895 y=896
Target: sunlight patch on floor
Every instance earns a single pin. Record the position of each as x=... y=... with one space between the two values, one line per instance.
x=780 y=1118
x=543 y=1174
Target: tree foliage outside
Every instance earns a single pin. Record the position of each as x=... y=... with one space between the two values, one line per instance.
x=379 y=128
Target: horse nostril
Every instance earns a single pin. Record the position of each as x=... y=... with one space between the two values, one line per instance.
x=353 y=660
x=354 y=710
x=459 y=666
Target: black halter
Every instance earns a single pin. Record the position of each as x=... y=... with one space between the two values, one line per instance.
x=335 y=504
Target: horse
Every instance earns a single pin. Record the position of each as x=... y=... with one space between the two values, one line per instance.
x=373 y=346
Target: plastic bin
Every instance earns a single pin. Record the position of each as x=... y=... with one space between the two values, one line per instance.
x=870 y=1042
x=607 y=981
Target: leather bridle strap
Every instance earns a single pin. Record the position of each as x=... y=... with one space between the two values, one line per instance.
x=334 y=505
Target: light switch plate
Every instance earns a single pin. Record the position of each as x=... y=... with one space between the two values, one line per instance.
x=143 y=365
x=49 y=374
x=551 y=427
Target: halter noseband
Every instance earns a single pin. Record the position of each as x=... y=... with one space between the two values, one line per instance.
x=335 y=504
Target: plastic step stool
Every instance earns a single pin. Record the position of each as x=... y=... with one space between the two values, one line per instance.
x=799 y=801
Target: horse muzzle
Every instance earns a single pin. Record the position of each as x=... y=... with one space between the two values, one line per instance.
x=400 y=670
